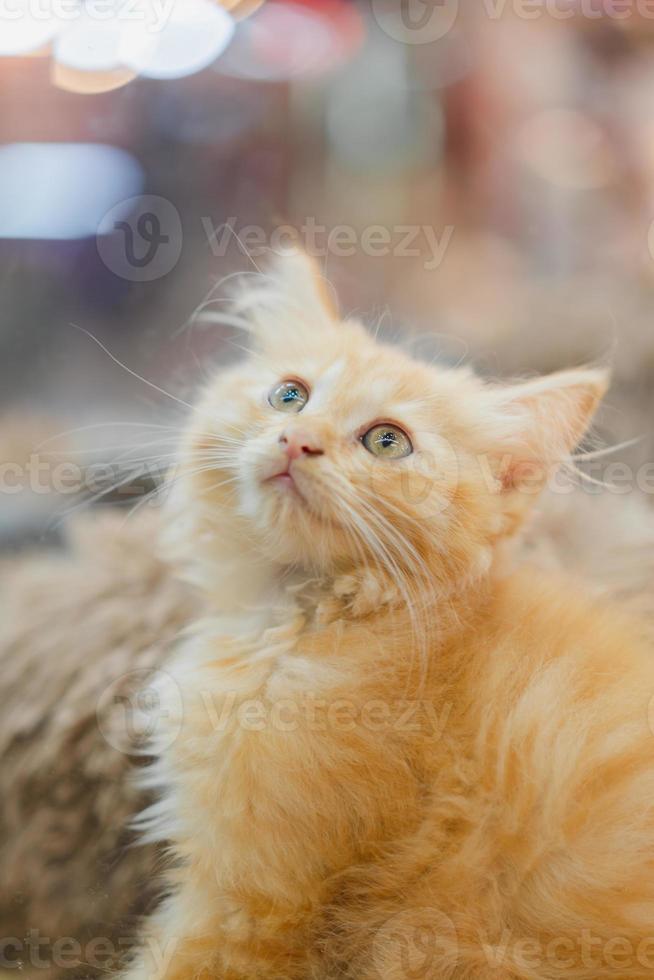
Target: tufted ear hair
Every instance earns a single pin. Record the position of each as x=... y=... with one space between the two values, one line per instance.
x=540 y=422
x=288 y=304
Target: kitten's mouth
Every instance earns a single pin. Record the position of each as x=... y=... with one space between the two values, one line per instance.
x=288 y=485
x=284 y=478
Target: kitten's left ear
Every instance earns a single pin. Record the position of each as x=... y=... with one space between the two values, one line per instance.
x=290 y=303
x=541 y=422
x=302 y=278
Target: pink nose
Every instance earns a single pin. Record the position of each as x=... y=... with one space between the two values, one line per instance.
x=299 y=442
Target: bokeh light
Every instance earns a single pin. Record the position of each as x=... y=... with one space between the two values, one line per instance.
x=99 y=48
x=61 y=191
x=194 y=35
x=566 y=148
x=23 y=32
x=288 y=38
x=87 y=57
x=90 y=45
x=241 y=8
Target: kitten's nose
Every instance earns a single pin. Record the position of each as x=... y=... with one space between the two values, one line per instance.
x=300 y=442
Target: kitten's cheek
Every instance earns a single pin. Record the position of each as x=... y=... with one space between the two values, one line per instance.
x=248 y=486
x=251 y=501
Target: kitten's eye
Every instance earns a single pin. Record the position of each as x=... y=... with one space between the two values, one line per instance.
x=387 y=440
x=289 y=396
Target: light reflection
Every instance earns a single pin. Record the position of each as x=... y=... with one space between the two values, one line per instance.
x=194 y=35
x=24 y=33
x=89 y=82
x=87 y=58
x=240 y=9
x=285 y=39
x=97 y=48
x=61 y=191
x=90 y=45
x=567 y=148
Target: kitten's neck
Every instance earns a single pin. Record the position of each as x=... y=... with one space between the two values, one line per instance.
x=242 y=580
x=351 y=595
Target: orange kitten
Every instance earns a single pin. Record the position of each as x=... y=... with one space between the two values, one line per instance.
x=389 y=756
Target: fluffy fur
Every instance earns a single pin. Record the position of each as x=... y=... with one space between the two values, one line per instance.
x=386 y=754
x=124 y=610
x=74 y=625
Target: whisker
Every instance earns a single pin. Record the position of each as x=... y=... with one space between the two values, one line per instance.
x=608 y=450
x=104 y=425
x=134 y=374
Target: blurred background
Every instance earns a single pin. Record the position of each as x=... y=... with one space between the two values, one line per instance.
x=481 y=175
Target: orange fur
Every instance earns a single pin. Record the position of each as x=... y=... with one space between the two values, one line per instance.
x=396 y=757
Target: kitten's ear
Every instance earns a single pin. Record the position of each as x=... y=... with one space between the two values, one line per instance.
x=302 y=278
x=541 y=422
x=291 y=302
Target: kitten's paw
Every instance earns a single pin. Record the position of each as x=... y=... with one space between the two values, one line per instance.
x=364 y=592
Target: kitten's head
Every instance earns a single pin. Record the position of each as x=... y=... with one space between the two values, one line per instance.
x=328 y=451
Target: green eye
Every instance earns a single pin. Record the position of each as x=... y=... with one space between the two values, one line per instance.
x=388 y=441
x=289 y=396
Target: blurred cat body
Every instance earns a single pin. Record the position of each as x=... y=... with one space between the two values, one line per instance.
x=387 y=755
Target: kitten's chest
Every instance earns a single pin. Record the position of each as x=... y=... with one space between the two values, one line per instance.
x=258 y=680
x=271 y=730
x=279 y=722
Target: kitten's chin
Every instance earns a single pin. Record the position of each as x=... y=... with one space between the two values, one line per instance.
x=290 y=495
x=285 y=486
x=290 y=523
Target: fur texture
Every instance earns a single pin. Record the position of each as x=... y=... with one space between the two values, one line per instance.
x=124 y=610
x=80 y=630
x=386 y=754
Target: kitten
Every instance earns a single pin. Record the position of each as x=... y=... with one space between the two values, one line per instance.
x=387 y=755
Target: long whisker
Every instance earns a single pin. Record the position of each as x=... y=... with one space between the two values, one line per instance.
x=185 y=474
x=153 y=494
x=608 y=450
x=134 y=374
x=104 y=425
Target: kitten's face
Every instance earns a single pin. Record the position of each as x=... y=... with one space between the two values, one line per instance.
x=328 y=450
x=340 y=453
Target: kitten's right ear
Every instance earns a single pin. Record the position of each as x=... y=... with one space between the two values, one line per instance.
x=290 y=304
x=540 y=422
